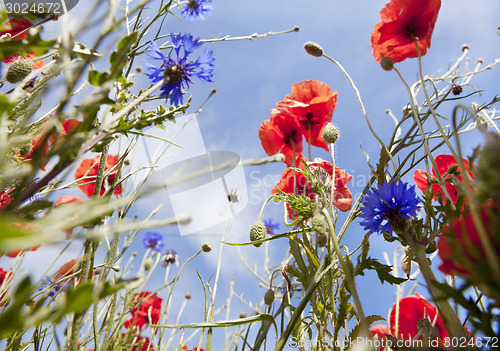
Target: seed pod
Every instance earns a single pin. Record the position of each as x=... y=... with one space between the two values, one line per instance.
x=206 y=247
x=258 y=232
x=148 y=264
x=386 y=63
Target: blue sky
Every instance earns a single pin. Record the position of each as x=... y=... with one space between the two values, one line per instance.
x=252 y=75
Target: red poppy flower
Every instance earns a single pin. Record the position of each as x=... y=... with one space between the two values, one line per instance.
x=281 y=133
x=410 y=311
x=147 y=310
x=379 y=332
x=403 y=20
x=193 y=349
x=86 y=175
x=16 y=26
x=293 y=182
x=68 y=126
x=342 y=195
x=5 y=278
x=140 y=343
x=459 y=245
x=39 y=142
x=443 y=162
x=4 y=199
x=311 y=103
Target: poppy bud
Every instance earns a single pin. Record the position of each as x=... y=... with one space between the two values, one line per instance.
x=269 y=297
x=258 y=232
x=330 y=133
x=321 y=239
x=386 y=63
x=206 y=247
x=313 y=49
x=19 y=70
x=318 y=224
x=148 y=264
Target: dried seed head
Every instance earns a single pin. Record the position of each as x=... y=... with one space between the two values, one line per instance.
x=243 y=314
x=313 y=49
x=465 y=47
x=322 y=240
x=188 y=295
x=19 y=70
x=456 y=89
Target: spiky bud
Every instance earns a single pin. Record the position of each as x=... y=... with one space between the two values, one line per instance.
x=269 y=297
x=19 y=70
x=318 y=224
x=331 y=133
x=258 y=232
x=206 y=247
x=313 y=49
x=386 y=63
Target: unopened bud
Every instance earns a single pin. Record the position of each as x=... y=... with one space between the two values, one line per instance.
x=269 y=297
x=318 y=224
x=206 y=247
x=188 y=295
x=313 y=49
x=456 y=89
x=243 y=314
x=258 y=232
x=148 y=264
x=331 y=133
x=386 y=63
x=19 y=70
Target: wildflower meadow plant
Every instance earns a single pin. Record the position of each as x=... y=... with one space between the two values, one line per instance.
x=90 y=256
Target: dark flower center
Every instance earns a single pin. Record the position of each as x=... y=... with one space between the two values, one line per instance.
x=397 y=221
x=193 y=4
x=173 y=74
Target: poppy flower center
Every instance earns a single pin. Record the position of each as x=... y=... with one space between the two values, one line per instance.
x=173 y=74
x=193 y=4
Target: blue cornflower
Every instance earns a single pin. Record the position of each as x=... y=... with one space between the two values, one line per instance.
x=170 y=257
x=197 y=10
x=153 y=241
x=389 y=206
x=47 y=283
x=176 y=73
x=270 y=226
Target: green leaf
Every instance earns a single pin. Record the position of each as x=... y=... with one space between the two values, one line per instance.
x=98 y=78
x=118 y=58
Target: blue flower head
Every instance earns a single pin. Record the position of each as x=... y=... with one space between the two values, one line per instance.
x=176 y=73
x=48 y=284
x=153 y=241
x=271 y=227
x=392 y=202
x=197 y=10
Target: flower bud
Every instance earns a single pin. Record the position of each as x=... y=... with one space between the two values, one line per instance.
x=456 y=89
x=148 y=264
x=318 y=224
x=386 y=63
x=19 y=70
x=187 y=295
x=258 y=232
x=331 y=133
x=243 y=314
x=321 y=239
x=206 y=247
x=269 y=297
x=313 y=49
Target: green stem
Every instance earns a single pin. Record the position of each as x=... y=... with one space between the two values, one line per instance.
x=349 y=278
